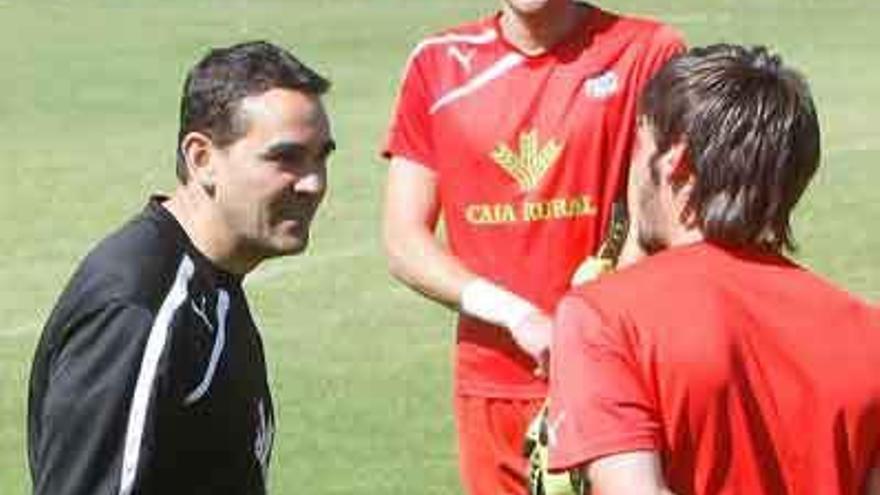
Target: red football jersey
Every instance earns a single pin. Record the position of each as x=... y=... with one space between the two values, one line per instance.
x=745 y=372
x=529 y=154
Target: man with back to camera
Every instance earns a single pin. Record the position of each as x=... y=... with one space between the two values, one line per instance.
x=717 y=365
x=149 y=377
x=517 y=128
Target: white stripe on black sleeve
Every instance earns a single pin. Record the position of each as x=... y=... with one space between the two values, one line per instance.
x=147 y=374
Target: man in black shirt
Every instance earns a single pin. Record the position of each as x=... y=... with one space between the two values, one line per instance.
x=149 y=377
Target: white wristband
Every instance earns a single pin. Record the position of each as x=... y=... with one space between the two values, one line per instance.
x=493 y=304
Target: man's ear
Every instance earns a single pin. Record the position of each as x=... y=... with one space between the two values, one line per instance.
x=680 y=174
x=675 y=164
x=198 y=149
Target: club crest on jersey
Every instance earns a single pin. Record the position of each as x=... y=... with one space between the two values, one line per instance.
x=602 y=86
x=531 y=162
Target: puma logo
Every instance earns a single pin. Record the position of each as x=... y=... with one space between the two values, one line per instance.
x=200 y=311
x=463 y=58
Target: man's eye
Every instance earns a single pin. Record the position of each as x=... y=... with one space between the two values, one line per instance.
x=287 y=160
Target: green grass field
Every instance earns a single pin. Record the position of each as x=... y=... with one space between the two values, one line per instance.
x=360 y=366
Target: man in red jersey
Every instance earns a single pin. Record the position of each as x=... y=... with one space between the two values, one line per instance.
x=717 y=365
x=517 y=128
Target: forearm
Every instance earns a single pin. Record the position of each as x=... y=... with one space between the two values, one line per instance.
x=421 y=262
x=426 y=267
x=417 y=258
x=873 y=485
x=629 y=473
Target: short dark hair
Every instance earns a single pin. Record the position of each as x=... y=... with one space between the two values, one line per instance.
x=215 y=86
x=751 y=134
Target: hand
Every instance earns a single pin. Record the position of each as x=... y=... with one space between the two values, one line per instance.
x=529 y=326
x=532 y=334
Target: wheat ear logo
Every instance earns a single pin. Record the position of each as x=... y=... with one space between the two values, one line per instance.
x=531 y=163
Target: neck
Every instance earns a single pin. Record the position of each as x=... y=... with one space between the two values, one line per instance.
x=535 y=33
x=206 y=230
x=685 y=236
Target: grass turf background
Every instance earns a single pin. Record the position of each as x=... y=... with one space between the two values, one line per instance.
x=360 y=367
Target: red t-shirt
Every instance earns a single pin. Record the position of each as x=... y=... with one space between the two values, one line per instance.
x=745 y=372
x=529 y=154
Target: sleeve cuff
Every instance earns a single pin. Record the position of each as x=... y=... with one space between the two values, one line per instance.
x=564 y=459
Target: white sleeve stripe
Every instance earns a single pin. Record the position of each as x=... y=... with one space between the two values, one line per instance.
x=219 y=342
x=483 y=38
x=147 y=374
x=498 y=69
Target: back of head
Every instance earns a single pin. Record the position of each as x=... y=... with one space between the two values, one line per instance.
x=215 y=86
x=751 y=135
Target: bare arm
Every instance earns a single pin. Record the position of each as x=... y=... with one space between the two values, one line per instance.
x=415 y=256
x=629 y=473
x=419 y=260
x=873 y=487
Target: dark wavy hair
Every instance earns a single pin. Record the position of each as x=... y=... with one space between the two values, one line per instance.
x=752 y=139
x=215 y=86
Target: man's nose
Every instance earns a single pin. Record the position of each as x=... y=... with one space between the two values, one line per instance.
x=313 y=182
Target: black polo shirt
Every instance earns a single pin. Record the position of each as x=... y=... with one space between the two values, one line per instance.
x=149 y=377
